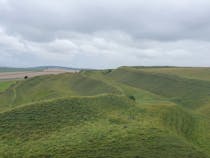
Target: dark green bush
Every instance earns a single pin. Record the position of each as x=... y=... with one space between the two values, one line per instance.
x=132 y=97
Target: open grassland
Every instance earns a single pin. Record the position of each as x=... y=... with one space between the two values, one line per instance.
x=191 y=73
x=129 y=112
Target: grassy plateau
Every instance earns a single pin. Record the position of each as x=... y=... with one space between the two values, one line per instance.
x=129 y=112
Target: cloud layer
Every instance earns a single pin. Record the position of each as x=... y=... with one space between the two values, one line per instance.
x=103 y=34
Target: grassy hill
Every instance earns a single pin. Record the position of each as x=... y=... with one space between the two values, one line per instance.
x=52 y=86
x=188 y=92
x=130 y=112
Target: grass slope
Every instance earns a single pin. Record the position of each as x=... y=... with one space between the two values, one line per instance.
x=90 y=114
x=187 y=92
x=4 y=85
x=103 y=126
x=52 y=86
x=161 y=89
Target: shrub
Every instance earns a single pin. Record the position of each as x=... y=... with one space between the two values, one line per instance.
x=132 y=97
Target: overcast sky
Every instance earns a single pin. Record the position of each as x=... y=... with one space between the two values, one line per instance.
x=104 y=33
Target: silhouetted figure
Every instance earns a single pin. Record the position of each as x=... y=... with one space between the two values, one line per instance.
x=26 y=77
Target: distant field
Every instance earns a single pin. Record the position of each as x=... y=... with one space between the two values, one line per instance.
x=7 y=69
x=129 y=112
x=21 y=74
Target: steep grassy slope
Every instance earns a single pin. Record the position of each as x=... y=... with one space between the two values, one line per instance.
x=191 y=123
x=122 y=113
x=187 y=92
x=52 y=86
x=103 y=126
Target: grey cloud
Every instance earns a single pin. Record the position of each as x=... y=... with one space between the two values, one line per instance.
x=159 y=20
x=102 y=34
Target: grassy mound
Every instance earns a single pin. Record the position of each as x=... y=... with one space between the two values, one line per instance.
x=52 y=86
x=102 y=126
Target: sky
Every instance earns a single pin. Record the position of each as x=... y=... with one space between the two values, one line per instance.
x=104 y=33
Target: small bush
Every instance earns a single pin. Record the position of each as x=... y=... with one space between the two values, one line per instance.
x=132 y=97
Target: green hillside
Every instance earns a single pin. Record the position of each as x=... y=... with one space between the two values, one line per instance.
x=130 y=112
x=5 y=85
x=188 y=92
x=52 y=86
